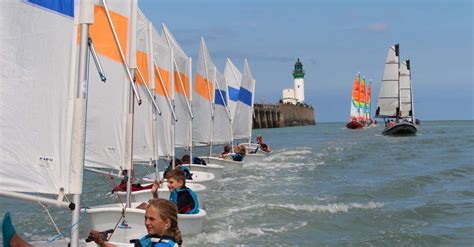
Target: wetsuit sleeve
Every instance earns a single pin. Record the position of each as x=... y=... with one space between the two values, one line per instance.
x=185 y=202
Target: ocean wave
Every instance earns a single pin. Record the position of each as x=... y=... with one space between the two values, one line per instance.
x=332 y=207
x=237 y=234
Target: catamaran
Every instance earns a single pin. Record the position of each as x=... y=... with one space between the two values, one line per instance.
x=356 y=116
x=395 y=103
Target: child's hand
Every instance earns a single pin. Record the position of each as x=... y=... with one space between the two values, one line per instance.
x=154 y=188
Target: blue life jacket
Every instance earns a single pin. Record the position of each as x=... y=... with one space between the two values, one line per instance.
x=237 y=157
x=187 y=173
x=155 y=241
x=174 y=198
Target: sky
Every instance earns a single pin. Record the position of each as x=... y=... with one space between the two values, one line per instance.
x=334 y=39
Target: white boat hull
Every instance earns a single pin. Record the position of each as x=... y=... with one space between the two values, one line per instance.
x=229 y=165
x=163 y=192
x=204 y=178
x=215 y=169
x=251 y=147
x=132 y=226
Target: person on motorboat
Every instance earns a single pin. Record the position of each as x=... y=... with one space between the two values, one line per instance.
x=185 y=198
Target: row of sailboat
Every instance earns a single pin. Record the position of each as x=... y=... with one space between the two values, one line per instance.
x=395 y=102
x=60 y=116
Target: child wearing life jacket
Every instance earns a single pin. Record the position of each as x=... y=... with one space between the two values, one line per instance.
x=178 y=164
x=264 y=147
x=184 y=198
x=161 y=221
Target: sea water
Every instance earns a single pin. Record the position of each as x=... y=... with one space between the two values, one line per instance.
x=323 y=185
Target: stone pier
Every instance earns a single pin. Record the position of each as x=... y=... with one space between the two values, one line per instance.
x=282 y=115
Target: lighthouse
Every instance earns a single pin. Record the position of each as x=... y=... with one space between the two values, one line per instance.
x=298 y=75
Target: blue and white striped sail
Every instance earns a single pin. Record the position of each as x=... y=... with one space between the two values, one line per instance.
x=222 y=125
x=38 y=42
x=233 y=78
x=242 y=121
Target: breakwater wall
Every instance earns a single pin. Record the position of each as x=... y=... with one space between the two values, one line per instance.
x=282 y=115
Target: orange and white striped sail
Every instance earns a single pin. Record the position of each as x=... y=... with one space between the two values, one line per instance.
x=367 y=101
x=362 y=100
x=182 y=84
x=107 y=114
x=354 y=116
x=203 y=96
x=163 y=72
x=144 y=136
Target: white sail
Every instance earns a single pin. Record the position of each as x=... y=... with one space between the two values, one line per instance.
x=38 y=58
x=405 y=90
x=233 y=78
x=182 y=82
x=242 y=122
x=144 y=139
x=389 y=91
x=108 y=103
x=163 y=82
x=203 y=97
x=222 y=126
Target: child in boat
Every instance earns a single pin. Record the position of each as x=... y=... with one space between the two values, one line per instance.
x=196 y=160
x=226 y=152
x=135 y=186
x=238 y=155
x=161 y=222
x=182 y=196
x=178 y=164
x=264 y=147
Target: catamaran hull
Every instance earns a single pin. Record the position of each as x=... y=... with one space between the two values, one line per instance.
x=354 y=125
x=204 y=178
x=229 y=165
x=132 y=225
x=400 y=129
x=163 y=192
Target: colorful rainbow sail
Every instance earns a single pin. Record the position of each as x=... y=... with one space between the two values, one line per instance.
x=355 y=99
x=362 y=101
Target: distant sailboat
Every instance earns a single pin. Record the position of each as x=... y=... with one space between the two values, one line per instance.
x=395 y=97
x=355 y=116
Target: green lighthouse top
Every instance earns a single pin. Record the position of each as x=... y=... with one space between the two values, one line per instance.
x=298 y=72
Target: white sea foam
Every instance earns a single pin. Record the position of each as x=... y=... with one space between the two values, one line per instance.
x=234 y=233
x=330 y=208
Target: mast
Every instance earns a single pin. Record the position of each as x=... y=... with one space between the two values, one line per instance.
x=397 y=53
x=86 y=15
x=411 y=93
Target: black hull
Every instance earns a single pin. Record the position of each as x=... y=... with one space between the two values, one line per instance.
x=400 y=129
x=354 y=125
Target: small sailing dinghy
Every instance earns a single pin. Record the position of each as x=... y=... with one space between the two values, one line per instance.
x=395 y=103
